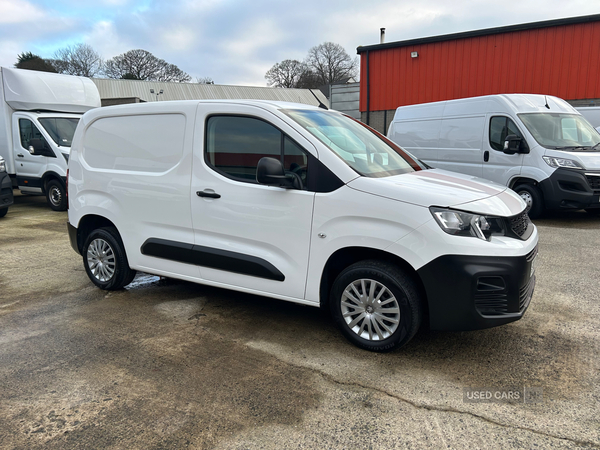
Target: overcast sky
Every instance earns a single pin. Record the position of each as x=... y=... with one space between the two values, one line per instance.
x=236 y=42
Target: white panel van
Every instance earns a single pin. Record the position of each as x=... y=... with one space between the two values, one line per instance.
x=301 y=204
x=537 y=145
x=591 y=113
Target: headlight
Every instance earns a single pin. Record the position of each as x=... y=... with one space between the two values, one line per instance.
x=459 y=223
x=2 y=165
x=561 y=162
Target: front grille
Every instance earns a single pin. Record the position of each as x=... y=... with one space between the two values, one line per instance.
x=525 y=294
x=491 y=298
x=519 y=224
x=594 y=181
x=529 y=257
x=492 y=305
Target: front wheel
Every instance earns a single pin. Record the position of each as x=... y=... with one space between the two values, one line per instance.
x=376 y=306
x=56 y=195
x=533 y=198
x=3 y=212
x=105 y=260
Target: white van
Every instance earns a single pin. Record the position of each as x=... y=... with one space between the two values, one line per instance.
x=537 y=145
x=591 y=113
x=301 y=204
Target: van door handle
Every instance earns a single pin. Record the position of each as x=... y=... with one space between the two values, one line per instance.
x=208 y=193
x=20 y=155
x=486 y=156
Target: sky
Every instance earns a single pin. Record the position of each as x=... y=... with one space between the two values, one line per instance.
x=237 y=42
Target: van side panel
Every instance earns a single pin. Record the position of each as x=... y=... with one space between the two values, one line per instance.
x=135 y=170
x=460 y=145
x=419 y=137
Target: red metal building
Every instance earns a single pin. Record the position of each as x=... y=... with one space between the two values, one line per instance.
x=555 y=57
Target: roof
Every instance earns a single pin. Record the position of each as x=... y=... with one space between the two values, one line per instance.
x=110 y=88
x=483 y=32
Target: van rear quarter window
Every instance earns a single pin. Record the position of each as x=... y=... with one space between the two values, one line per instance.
x=143 y=143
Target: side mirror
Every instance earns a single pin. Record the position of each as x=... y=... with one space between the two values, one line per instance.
x=512 y=143
x=270 y=171
x=39 y=147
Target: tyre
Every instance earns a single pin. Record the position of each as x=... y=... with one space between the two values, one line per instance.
x=533 y=197
x=376 y=306
x=3 y=212
x=592 y=211
x=105 y=260
x=56 y=195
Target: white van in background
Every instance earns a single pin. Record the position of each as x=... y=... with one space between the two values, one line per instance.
x=39 y=112
x=592 y=114
x=538 y=145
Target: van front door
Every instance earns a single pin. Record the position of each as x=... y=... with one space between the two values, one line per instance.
x=248 y=235
x=29 y=168
x=498 y=166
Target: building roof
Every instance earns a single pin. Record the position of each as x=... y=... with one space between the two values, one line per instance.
x=483 y=32
x=110 y=89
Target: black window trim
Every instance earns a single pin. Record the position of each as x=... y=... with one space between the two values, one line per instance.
x=490 y=129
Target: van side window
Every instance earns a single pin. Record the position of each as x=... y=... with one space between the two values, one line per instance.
x=235 y=144
x=28 y=131
x=500 y=127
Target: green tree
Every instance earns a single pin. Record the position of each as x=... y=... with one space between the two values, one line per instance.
x=29 y=61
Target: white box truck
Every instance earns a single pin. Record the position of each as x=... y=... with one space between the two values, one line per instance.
x=39 y=112
x=537 y=145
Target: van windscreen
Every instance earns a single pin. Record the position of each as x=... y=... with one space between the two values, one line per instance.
x=561 y=131
x=365 y=151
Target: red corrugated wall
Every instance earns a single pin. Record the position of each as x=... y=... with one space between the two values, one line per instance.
x=563 y=61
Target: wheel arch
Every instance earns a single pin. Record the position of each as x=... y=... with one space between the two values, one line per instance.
x=522 y=180
x=49 y=176
x=347 y=256
x=89 y=223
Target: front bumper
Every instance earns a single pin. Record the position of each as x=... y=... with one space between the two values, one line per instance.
x=572 y=189
x=476 y=292
x=6 y=191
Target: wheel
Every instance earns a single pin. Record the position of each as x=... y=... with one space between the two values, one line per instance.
x=376 y=306
x=3 y=212
x=105 y=260
x=533 y=198
x=592 y=211
x=56 y=195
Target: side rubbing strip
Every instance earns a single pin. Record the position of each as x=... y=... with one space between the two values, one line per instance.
x=211 y=257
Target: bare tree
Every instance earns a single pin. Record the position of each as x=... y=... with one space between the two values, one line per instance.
x=28 y=60
x=330 y=62
x=286 y=74
x=204 y=80
x=81 y=60
x=143 y=65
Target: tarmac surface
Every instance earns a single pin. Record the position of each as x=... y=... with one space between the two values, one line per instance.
x=171 y=364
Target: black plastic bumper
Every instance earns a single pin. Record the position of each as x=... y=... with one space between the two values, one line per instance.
x=73 y=237
x=476 y=292
x=572 y=189
x=6 y=191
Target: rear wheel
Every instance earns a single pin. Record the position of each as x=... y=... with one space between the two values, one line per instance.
x=56 y=195
x=3 y=212
x=533 y=198
x=376 y=306
x=105 y=260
